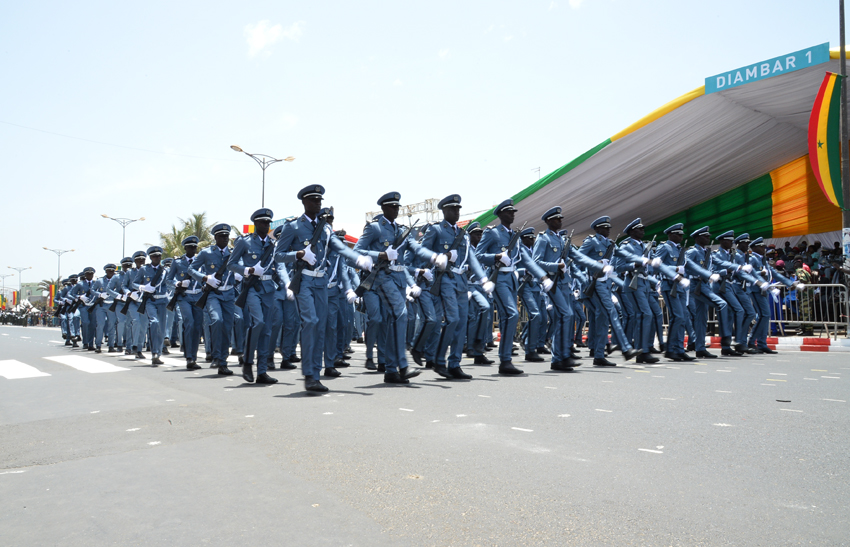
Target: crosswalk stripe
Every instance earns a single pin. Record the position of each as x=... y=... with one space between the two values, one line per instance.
x=13 y=370
x=85 y=364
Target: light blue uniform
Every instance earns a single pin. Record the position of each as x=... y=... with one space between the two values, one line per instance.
x=760 y=298
x=702 y=295
x=192 y=316
x=155 y=308
x=220 y=303
x=338 y=286
x=104 y=319
x=83 y=289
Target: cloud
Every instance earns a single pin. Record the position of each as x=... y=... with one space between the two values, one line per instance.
x=397 y=83
x=552 y=5
x=443 y=53
x=508 y=38
x=263 y=35
x=575 y=4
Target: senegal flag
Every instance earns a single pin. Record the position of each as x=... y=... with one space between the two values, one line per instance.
x=825 y=140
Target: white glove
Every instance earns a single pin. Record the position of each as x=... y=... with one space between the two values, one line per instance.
x=81 y=298
x=135 y=295
x=351 y=296
x=714 y=278
x=506 y=260
x=453 y=256
x=213 y=282
x=655 y=262
x=561 y=265
x=469 y=295
x=441 y=261
x=410 y=298
x=614 y=299
x=548 y=284
x=148 y=288
x=104 y=295
x=488 y=287
x=685 y=282
x=415 y=291
x=392 y=254
x=259 y=270
x=774 y=291
x=289 y=294
x=364 y=262
x=238 y=277
x=428 y=275
x=680 y=270
x=185 y=283
x=607 y=269
x=309 y=256
x=644 y=260
x=359 y=300
x=747 y=268
x=764 y=272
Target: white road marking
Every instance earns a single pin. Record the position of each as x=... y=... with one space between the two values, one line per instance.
x=563 y=415
x=700 y=372
x=14 y=370
x=249 y=415
x=521 y=429
x=327 y=413
x=724 y=371
x=57 y=341
x=406 y=409
x=548 y=387
x=724 y=425
x=778 y=374
x=601 y=410
x=770 y=385
x=486 y=396
x=783 y=360
x=25 y=337
x=668 y=399
x=648 y=450
x=434 y=421
x=790 y=410
x=721 y=391
x=169 y=400
x=831 y=377
x=813 y=379
x=655 y=376
x=460 y=416
x=4 y=334
x=85 y=364
x=12 y=472
x=94 y=412
x=134 y=429
x=154 y=443
x=835 y=400
x=676 y=368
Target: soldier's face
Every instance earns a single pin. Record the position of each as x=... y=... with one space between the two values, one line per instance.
x=312 y=205
x=637 y=233
x=139 y=262
x=190 y=250
x=156 y=259
x=109 y=274
x=675 y=237
x=555 y=224
x=726 y=244
x=261 y=227
x=528 y=241
x=604 y=231
x=702 y=240
x=742 y=246
x=451 y=214
x=390 y=211
x=507 y=217
x=759 y=250
x=475 y=237
x=221 y=240
x=89 y=276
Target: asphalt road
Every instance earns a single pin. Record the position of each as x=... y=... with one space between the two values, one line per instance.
x=99 y=450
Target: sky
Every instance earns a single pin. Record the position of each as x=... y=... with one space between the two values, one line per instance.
x=129 y=110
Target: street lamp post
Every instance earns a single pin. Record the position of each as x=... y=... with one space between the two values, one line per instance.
x=263 y=161
x=124 y=222
x=59 y=253
x=3 y=278
x=20 y=282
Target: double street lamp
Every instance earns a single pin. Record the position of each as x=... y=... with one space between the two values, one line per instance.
x=263 y=161
x=59 y=253
x=124 y=222
x=20 y=283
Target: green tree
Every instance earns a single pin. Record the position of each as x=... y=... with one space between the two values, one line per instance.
x=195 y=225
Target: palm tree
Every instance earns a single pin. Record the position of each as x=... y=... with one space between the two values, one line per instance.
x=196 y=225
x=44 y=284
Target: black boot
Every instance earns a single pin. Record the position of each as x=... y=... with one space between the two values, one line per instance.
x=508 y=369
x=370 y=364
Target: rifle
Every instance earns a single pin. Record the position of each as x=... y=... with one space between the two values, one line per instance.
x=295 y=280
x=674 y=290
x=97 y=302
x=178 y=292
x=251 y=280
x=591 y=287
x=143 y=305
x=641 y=269
x=509 y=249
x=366 y=284
x=560 y=274
x=77 y=302
x=202 y=301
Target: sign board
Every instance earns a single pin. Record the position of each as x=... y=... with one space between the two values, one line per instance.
x=784 y=64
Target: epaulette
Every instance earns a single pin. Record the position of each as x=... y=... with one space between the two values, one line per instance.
x=488 y=228
x=291 y=220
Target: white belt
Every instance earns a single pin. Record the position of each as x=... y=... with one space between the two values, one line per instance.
x=225 y=289
x=160 y=296
x=397 y=268
x=313 y=273
x=196 y=291
x=508 y=269
x=265 y=278
x=459 y=270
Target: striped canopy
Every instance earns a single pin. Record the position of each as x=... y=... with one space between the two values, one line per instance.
x=735 y=159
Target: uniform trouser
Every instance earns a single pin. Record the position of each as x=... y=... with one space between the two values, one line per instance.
x=193 y=322
x=477 y=328
x=424 y=339
x=220 y=309
x=291 y=328
x=238 y=331
x=761 y=303
x=155 y=311
x=105 y=321
x=531 y=303
x=169 y=323
x=207 y=337
x=332 y=326
x=412 y=315
x=489 y=319
x=359 y=320
x=138 y=326
x=63 y=324
x=348 y=323
x=277 y=321
x=120 y=325
x=749 y=312
x=74 y=319
x=699 y=304
x=342 y=326
x=394 y=319
x=678 y=314
x=605 y=313
x=562 y=323
x=630 y=320
x=642 y=333
x=455 y=303
x=312 y=301
x=657 y=318
x=258 y=314
x=372 y=303
x=734 y=315
x=177 y=326
x=505 y=298
x=86 y=325
x=591 y=321
x=579 y=319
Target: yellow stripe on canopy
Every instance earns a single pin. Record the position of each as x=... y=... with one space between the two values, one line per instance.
x=661 y=111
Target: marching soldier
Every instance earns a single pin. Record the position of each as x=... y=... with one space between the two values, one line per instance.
x=150 y=279
x=82 y=292
x=732 y=272
x=480 y=304
x=758 y=338
x=701 y=293
x=187 y=291
x=104 y=319
x=116 y=289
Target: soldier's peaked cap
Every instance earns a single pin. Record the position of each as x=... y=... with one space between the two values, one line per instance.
x=88 y=269
x=554 y=212
x=221 y=229
x=636 y=223
x=757 y=241
x=450 y=201
x=601 y=222
x=507 y=205
x=154 y=250
x=727 y=235
x=110 y=266
x=743 y=237
x=390 y=198
x=191 y=240
x=704 y=231
x=678 y=228
x=262 y=214
x=139 y=254
x=474 y=227
x=527 y=232
x=311 y=191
